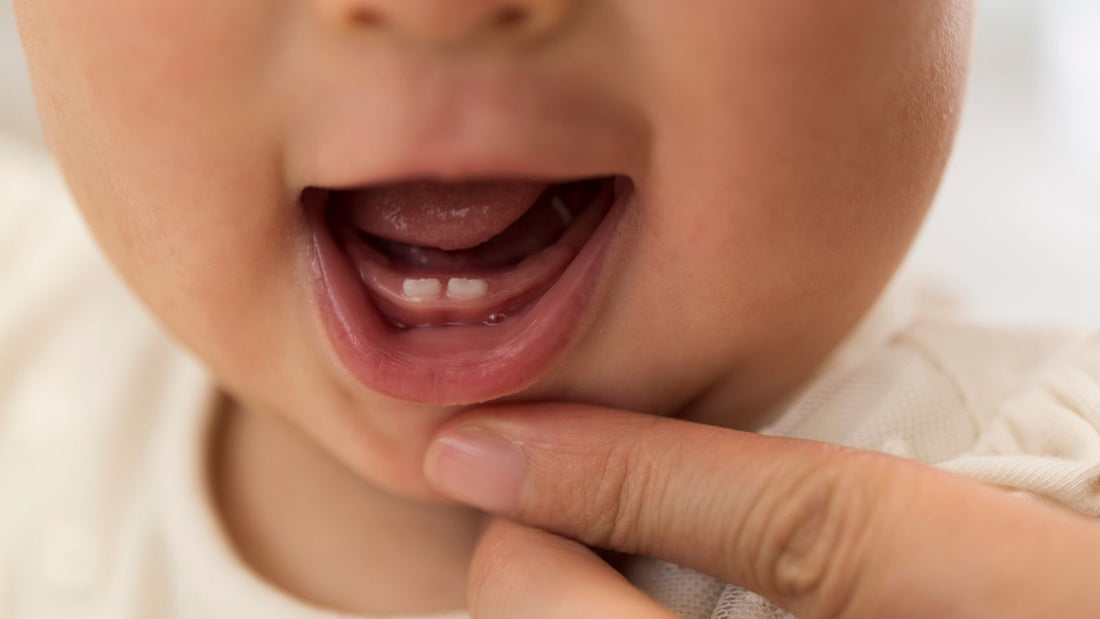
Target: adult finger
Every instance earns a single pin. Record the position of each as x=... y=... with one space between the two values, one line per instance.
x=519 y=572
x=820 y=530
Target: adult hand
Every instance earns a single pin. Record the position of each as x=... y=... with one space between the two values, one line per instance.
x=820 y=530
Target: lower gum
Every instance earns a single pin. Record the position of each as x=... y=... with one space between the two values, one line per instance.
x=491 y=320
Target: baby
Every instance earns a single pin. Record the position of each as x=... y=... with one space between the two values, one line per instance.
x=365 y=215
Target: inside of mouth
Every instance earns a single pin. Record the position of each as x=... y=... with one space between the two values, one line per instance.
x=549 y=216
x=437 y=254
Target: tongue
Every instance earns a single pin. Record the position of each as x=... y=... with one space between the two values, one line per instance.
x=447 y=216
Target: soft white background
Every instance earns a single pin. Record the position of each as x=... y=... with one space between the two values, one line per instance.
x=1017 y=225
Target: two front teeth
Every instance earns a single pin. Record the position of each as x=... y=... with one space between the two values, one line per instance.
x=431 y=289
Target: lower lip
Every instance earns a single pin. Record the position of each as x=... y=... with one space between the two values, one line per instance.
x=454 y=365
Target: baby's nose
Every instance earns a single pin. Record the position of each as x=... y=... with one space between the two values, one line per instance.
x=451 y=22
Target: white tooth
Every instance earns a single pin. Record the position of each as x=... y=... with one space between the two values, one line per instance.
x=462 y=288
x=422 y=289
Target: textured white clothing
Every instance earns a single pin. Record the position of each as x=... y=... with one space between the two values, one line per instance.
x=103 y=428
x=1013 y=407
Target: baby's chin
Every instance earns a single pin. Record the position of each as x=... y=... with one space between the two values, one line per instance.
x=395 y=464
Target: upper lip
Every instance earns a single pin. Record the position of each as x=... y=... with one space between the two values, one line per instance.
x=497 y=161
x=462 y=129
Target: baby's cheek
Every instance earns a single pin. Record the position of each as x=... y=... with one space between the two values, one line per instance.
x=157 y=114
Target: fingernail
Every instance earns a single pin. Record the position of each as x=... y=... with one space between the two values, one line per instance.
x=479 y=467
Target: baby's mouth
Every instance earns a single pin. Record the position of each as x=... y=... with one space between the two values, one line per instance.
x=451 y=293
x=441 y=254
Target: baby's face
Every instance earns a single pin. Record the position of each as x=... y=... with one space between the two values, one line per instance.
x=752 y=170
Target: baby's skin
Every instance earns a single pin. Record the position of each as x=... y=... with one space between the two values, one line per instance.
x=763 y=168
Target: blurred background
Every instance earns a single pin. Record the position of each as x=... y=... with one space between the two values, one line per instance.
x=1016 y=228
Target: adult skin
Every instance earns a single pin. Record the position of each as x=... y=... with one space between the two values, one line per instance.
x=821 y=530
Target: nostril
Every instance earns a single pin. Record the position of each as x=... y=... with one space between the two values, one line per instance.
x=368 y=17
x=450 y=23
x=511 y=16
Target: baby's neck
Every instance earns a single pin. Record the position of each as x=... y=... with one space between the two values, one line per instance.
x=312 y=528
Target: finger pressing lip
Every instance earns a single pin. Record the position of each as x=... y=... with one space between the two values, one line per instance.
x=820 y=530
x=756 y=511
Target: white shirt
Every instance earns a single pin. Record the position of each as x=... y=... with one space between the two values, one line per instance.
x=1017 y=408
x=104 y=508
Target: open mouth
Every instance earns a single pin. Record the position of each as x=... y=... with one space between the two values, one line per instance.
x=454 y=293
x=422 y=252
